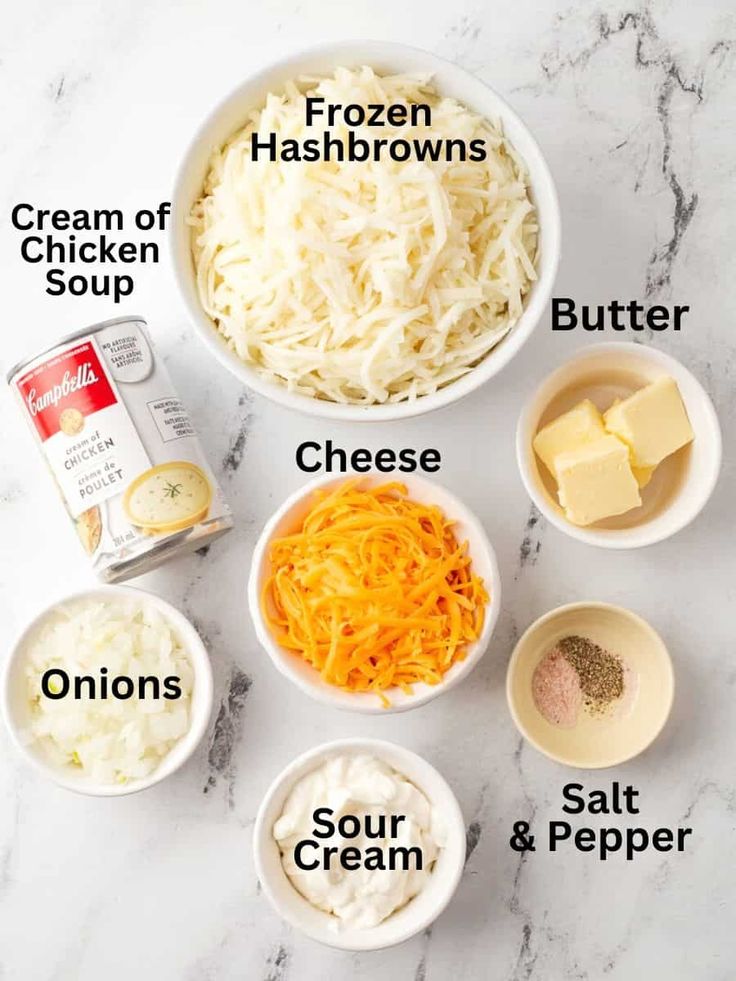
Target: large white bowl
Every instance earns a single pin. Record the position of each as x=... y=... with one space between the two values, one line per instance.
x=411 y=919
x=681 y=485
x=16 y=712
x=467 y=527
x=450 y=80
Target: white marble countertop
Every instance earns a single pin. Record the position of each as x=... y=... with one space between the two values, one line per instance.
x=633 y=108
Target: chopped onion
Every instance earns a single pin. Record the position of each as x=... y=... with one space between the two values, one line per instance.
x=110 y=740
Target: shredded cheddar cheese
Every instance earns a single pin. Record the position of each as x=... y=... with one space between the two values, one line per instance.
x=374 y=590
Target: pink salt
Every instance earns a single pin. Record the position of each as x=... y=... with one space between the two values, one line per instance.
x=556 y=690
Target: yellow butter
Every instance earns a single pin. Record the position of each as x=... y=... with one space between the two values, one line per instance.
x=595 y=481
x=643 y=475
x=653 y=422
x=582 y=424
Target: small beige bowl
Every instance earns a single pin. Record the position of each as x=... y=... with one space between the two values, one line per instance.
x=595 y=742
x=681 y=484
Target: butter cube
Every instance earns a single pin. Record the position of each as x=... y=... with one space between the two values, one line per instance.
x=643 y=475
x=653 y=422
x=595 y=481
x=573 y=429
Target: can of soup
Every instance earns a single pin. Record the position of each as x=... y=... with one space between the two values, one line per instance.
x=121 y=448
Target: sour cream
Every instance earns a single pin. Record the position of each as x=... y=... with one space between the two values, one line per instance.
x=350 y=820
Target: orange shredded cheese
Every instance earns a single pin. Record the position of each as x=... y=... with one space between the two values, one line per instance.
x=374 y=590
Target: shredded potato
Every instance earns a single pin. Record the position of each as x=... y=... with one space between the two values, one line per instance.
x=364 y=282
x=374 y=590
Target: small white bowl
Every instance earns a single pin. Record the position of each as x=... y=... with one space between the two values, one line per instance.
x=15 y=706
x=467 y=528
x=681 y=484
x=411 y=919
x=451 y=80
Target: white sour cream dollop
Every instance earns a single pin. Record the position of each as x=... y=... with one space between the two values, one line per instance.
x=359 y=785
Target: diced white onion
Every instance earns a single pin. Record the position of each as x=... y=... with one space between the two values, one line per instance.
x=109 y=740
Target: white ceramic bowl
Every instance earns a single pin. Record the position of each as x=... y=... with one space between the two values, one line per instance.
x=682 y=483
x=594 y=742
x=418 y=914
x=451 y=80
x=15 y=707
x=467 y=528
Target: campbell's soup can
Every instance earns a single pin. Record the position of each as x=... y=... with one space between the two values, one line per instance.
x=121 y=448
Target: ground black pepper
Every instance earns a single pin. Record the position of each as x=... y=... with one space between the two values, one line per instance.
x=601 y=673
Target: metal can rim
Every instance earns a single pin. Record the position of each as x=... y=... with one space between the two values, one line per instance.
x=75 y=335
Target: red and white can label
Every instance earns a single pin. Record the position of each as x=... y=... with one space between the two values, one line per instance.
x=86 y=431
x=121 y=448
x=71 y=381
